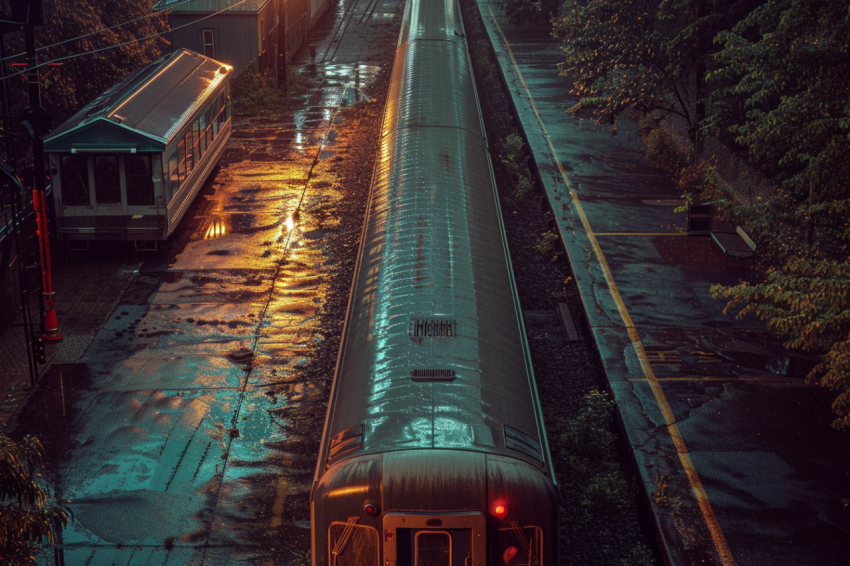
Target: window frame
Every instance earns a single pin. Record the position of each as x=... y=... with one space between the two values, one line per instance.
x=66 y=184
x=148 y=179
x=97 y=188
x=208 y=44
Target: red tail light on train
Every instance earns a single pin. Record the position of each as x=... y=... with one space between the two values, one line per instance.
x=500 y=509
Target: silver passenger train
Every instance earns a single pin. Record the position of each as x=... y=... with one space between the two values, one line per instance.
x=434 y=452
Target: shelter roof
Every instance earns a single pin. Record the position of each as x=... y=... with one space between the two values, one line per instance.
x=152 y=103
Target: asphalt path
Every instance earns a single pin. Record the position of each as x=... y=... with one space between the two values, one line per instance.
x=175 y=437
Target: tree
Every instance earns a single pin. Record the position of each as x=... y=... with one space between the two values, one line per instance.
x=787 y=65
x=644 y=55
x=26 y=517
x=69 y=30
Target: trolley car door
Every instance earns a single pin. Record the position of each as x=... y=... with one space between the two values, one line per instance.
x=421 y=539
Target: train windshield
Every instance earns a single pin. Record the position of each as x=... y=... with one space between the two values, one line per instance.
x=353 y=545
x=518 y=545
x=454 y=539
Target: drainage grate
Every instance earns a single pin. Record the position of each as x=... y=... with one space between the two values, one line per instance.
x=433 y=375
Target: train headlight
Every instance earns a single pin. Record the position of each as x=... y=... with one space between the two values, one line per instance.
x=371 y=508
x=500 y=509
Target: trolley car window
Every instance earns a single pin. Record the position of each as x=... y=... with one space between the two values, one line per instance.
x=196 y=139
x=208 y=113
x=173 y=172
x=181 y=160
x=75 y=180
x=107 y=183
x=203 y=132
x=433 y=548
x=190 y=159
x=139 y=182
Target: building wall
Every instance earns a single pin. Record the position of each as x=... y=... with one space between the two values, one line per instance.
x=297 y=22
x=317 y=8
x=237 y=37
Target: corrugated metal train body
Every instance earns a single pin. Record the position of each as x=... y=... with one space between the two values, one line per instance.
x=434 y=396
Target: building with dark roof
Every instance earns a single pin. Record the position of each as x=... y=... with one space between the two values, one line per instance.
x=241 y=33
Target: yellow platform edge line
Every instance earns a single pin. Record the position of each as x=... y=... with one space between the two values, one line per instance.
x=700 y=495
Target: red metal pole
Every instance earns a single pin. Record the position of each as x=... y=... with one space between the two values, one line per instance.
x=51 y=324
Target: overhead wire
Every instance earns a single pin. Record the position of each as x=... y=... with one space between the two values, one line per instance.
x=138 y=40
x=103 y=30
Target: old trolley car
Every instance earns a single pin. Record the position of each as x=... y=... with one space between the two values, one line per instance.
x=128 y=165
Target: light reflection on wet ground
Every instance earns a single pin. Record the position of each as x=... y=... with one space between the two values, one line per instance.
x=181 y=435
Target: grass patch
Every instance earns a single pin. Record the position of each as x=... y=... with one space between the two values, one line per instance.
x=256 y=94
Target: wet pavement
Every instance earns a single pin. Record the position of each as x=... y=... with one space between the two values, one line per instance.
x=734 y=449
x=187 y=430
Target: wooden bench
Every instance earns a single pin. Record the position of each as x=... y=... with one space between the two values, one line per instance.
x=735 y=244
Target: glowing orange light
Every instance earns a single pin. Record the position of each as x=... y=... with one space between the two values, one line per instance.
x=510 y=554
x=500 y=509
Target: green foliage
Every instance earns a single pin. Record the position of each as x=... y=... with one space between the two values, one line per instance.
x=26 y=515
x=586 y=456
x=785 y=104
x=524 y=11
x=787 y=64
x=644 y=55
x=547 y=245
x=662 y=150
x=514 y=157
x=66 y=88
x=807 y=301
x=615 y=53
x=256 y=94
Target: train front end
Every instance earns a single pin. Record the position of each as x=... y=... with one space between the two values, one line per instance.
x=434 y=508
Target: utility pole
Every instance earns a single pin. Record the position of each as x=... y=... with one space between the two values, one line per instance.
x=17 y=200
x=281 y=45
x=37 y=121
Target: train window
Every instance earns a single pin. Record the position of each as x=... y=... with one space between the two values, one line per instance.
x=139 y=182
x=75 y=180
x=433 y=548
x=518 y=545
x=353 y=545
x=517 y=440
x=107 y=180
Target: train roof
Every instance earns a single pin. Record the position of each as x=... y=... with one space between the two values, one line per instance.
x=434 y=354
x=205 y=6
x=146 y=110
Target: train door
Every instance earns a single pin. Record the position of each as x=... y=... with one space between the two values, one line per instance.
x=456 y=539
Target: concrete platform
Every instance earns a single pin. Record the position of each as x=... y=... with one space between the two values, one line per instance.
x=733 y=448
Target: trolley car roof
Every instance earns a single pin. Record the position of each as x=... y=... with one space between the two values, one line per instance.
x=147 y=109
x=204 y=6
